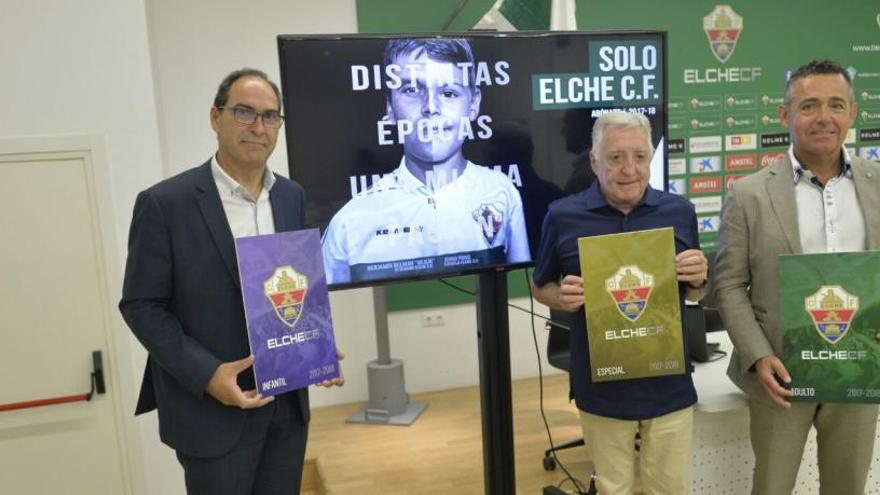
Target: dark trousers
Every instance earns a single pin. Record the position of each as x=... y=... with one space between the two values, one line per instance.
x=267 y=460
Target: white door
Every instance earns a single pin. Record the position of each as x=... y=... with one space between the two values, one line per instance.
x=54 y=311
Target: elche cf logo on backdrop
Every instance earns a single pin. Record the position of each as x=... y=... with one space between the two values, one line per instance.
x=723 y=27
x=832 y=309
x=286 y=290
x=630 y=288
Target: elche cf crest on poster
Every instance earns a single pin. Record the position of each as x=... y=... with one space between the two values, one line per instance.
x=287 y=309
x=286 y=290
x=630 y=289
x=831 y=317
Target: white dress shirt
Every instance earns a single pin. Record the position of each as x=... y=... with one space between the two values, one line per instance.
x=246 y=216
x=830 y=218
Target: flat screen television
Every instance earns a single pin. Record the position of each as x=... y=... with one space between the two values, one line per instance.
x=434 y=155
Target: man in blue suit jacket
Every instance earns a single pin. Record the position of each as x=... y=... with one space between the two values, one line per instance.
x=182 y=299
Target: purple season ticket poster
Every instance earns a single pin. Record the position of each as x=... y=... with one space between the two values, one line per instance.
x=287 y=309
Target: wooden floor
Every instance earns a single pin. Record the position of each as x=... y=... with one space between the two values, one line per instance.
x=441 y=452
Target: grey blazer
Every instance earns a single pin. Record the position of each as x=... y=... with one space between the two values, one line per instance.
x=758 y=223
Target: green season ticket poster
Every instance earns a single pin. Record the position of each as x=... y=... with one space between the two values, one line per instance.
x=632 y=306
x=831 y=315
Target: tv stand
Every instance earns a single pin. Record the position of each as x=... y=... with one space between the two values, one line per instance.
x=493 y=341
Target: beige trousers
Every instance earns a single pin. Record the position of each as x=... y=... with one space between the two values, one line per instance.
x=845 y=435
x=664 y=456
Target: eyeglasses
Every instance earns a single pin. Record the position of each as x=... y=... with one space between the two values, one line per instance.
x=247 y=116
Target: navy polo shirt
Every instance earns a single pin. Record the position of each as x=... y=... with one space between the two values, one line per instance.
x=587 y=214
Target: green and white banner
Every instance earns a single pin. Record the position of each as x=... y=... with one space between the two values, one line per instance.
x=632 y=306
x=831 y=316
x=728 y=63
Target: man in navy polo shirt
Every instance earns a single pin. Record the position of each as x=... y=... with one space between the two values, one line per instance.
x=660 y=408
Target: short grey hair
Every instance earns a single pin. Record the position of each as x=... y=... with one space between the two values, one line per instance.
x=620 y=120
x=824 y=67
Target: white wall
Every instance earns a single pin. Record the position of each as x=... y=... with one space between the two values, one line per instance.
x=81 y=67
x=84 y=67
x=197 y=42
x=437 y=358
x=142 y=73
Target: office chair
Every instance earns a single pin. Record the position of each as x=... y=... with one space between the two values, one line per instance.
x=559 y=356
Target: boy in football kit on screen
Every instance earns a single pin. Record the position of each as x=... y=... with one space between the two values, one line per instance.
x=436 y=203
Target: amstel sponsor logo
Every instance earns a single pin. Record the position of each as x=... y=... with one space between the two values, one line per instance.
x=741 y=162
x=698 y=185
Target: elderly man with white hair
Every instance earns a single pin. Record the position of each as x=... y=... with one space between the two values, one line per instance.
x=660 y=409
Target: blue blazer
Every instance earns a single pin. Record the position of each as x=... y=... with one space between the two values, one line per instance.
x=182 y=299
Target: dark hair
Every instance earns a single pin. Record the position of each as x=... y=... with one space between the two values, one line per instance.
x=443 y=50
x=813 y=68
x=223 y=91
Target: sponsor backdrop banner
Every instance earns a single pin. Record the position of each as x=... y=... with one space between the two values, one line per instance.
x=287 y=310
x=632 y=306
x=727 y=69
x=831 y=318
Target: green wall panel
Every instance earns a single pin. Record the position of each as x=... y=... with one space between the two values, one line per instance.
x=734 y=99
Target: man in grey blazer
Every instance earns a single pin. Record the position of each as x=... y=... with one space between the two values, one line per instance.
x=816 y=199
x=182 y=299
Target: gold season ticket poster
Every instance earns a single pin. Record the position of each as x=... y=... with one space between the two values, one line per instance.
x=632 y=306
